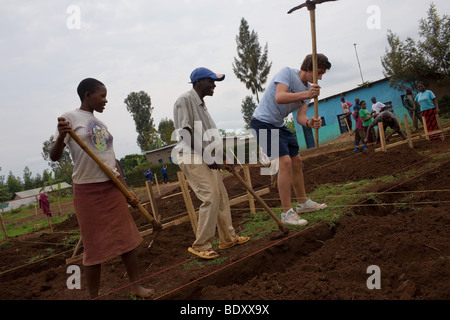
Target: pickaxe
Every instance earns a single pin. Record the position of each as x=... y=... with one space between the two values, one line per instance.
x=311 y=5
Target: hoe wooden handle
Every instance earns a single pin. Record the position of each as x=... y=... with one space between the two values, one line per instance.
x=113 y=177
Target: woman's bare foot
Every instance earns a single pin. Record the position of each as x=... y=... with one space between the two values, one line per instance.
x=142 y=292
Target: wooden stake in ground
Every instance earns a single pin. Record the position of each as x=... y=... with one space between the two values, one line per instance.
x=408 y=131
x=49 y=221
x=425 y=128
x=188 y=201
x=157 y=184
x=151 y=197
x=251 y=200
x=428 y=133
x=439 y=127
x=3 y=206
x=382 y=137
x=311 y=5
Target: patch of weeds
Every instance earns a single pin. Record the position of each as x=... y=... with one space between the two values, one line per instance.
x=193 y=263
x=71 y=240
x=260 y=223
x=404 y=203
x=215 y=261
x=7 y=244
x=36 y=258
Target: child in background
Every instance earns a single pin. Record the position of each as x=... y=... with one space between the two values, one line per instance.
x=366 y=117
x=359 y=131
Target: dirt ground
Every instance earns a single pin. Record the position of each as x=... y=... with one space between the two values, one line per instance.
x=409 y=242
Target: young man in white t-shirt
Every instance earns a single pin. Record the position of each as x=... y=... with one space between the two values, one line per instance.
x=377 y=106
x=289 y=90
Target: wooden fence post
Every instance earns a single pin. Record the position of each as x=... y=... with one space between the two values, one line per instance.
x=3 y=225
x=151 y=198
x=188 y=201
x=382 y=137
x=425 y=128
x=408 y=131
x=248 y=179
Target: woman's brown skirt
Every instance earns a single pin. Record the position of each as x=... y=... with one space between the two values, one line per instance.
x=107 y=227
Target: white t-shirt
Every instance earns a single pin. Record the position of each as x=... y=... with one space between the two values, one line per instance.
x=345 y=107
x=377 y=106
x=94 y=133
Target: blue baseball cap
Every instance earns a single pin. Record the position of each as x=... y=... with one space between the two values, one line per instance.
x=204 y=73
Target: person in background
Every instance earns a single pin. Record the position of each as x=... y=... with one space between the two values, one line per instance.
x=429 y=109
x=357 y=105
x=149 y=175
x=359 y=131
x=346 y=113
x=412 y=107
x=44 y=204
x=164 y=174
x=367 y=117
x=389 y=120
x=377 y=106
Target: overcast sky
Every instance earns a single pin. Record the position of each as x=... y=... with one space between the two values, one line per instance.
x=47 y=47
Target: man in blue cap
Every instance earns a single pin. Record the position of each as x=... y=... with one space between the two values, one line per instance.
x=196 y=127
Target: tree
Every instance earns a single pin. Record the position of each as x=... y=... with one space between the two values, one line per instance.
x=251 y=67
x=247 y=107
x=165 y=129
x=139 y=105
x=131 y=161
x=406 y=62
x=436 y=44
x=28 y=182
x=14 y=184
x=5 y=195
x=63 y=168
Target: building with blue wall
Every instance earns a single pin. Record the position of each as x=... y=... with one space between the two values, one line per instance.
x=330 y=110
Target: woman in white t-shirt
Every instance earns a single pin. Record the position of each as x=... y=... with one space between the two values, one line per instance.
x=107 y=227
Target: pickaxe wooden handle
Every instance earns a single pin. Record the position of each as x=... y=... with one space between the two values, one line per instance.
x=311 y=5
x=156 y=225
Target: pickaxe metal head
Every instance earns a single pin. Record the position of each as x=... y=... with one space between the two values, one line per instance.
x=310 y=4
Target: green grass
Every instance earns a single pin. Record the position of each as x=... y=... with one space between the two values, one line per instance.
x=341 y=200
x=16 y=226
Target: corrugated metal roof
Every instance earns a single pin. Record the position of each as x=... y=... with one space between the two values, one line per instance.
x=34 y=192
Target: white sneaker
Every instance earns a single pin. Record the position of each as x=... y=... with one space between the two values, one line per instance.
x=291 y=218
x=309 y=206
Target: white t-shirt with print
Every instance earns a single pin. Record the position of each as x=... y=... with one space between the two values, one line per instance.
x=94 y=133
